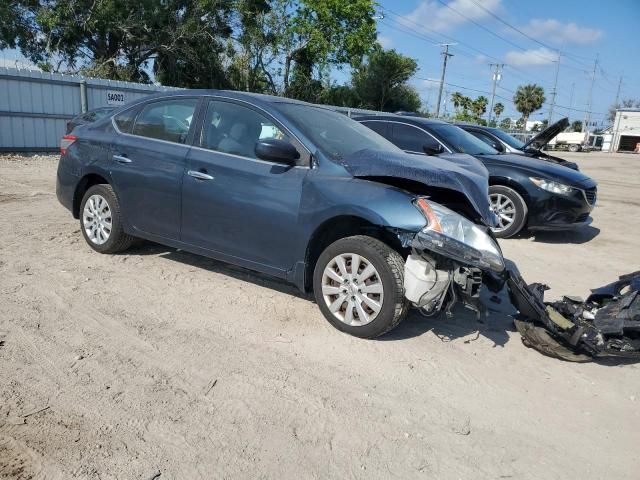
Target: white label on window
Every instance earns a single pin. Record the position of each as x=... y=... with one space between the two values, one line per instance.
x=115 y=98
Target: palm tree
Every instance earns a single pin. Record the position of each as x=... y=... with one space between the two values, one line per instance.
x=528 y=99
x=479 y=106
x=498 y=108
x=457 y=98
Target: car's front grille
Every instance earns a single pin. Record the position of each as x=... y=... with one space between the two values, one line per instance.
x=591 y=195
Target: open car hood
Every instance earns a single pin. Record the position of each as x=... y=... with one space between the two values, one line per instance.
x=459 y=172
x=545 y=136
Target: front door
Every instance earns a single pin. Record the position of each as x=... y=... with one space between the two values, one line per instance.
x=148 y=161
x=236 y=204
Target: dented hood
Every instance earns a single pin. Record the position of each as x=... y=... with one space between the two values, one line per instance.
x=459 y=172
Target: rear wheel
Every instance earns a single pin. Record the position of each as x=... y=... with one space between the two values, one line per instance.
x=358 y=284
x=101 y=220
x=574 y=148
x=510 y=208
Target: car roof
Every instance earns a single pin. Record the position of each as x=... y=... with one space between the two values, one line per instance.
x=253 y=97
x=401 y=118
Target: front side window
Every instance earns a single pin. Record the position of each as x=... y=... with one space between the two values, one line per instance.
x=412 y=139
x=235 y=129
x=335 y=134
x=167 y=120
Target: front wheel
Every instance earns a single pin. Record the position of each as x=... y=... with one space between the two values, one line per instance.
x=358 y=283
x=510 y=208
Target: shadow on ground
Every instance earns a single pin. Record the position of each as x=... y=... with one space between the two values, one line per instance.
x=577 y=236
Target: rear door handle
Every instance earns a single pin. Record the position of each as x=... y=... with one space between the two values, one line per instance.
x=121 y=159
x=199 y=175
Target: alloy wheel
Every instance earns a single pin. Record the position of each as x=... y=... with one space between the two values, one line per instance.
x=504 y=208
x=352 y=289
x=97 y=220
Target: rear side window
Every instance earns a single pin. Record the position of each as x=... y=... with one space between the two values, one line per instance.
x=483 y=136
x=381 y=128
x=125 y=120
x=411 y=138
x=167 y=120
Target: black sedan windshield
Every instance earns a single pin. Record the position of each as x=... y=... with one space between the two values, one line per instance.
x=335 y=134
x=508 y=139
x=461 y=141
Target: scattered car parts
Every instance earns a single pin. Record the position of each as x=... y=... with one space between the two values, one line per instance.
x=607 y=324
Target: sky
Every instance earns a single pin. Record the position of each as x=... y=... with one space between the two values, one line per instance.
x=482 y=31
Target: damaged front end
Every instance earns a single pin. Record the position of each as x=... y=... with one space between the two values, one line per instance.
x=451 y=257
x=607 y=324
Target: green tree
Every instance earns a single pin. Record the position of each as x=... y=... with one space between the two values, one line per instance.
x=322 y=32
x=381 y=83
x=576 y=126
x=498 y=108
x=118 y=40
x=479 y=106
x=528 y=99
x=457 y=99
x=505 y=124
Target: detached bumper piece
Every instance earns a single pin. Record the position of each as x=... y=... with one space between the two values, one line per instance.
x=607 y=324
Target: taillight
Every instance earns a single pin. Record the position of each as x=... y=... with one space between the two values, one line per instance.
x=66 y=142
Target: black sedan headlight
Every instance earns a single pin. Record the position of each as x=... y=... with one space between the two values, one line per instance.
x=551 y=186
x=452 y=235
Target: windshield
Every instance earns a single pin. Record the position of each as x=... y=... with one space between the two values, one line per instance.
x=335 y=134
x=508 y=139
x=461 y=141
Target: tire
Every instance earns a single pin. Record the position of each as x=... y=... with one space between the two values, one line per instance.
x=389 y=272
x=500 y=193
x=103 y=240
x=574 y=148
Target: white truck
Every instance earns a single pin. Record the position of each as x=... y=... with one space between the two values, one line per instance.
x=572 y=141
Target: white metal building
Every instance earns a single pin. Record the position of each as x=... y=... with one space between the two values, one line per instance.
x=626 y=130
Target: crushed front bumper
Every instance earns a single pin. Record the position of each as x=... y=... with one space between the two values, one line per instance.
x=607 y=324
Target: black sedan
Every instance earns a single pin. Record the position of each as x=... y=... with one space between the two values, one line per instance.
x=524 y=191
x=505 y=143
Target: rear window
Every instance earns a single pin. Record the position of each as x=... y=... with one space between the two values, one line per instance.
x=166 y=120
x=125 y=120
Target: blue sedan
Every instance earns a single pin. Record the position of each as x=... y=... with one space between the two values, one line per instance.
x=288 y=189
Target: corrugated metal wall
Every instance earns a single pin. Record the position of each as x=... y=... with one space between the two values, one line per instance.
x=34 y=105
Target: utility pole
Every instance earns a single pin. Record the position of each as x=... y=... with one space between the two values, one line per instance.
x=445 y=55
x=587 y=115
x=618 y=92
x=554 y=90
x=497 y=75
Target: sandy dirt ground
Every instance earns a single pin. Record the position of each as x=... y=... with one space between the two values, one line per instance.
x=158 y=364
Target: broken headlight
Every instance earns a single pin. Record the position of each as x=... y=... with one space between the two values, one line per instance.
x=553 y=187
x=452 y=235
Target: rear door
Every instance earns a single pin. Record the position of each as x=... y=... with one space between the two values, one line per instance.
x=234 y=203
x=148 y=159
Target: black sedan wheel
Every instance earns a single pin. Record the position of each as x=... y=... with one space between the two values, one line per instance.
x=510 y=208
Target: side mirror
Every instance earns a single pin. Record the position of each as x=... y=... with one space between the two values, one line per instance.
x=433 y=149
x=275 y=150
x=498 y=146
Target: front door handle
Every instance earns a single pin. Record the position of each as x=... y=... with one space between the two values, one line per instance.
x=121 y=159
x=199 y=175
